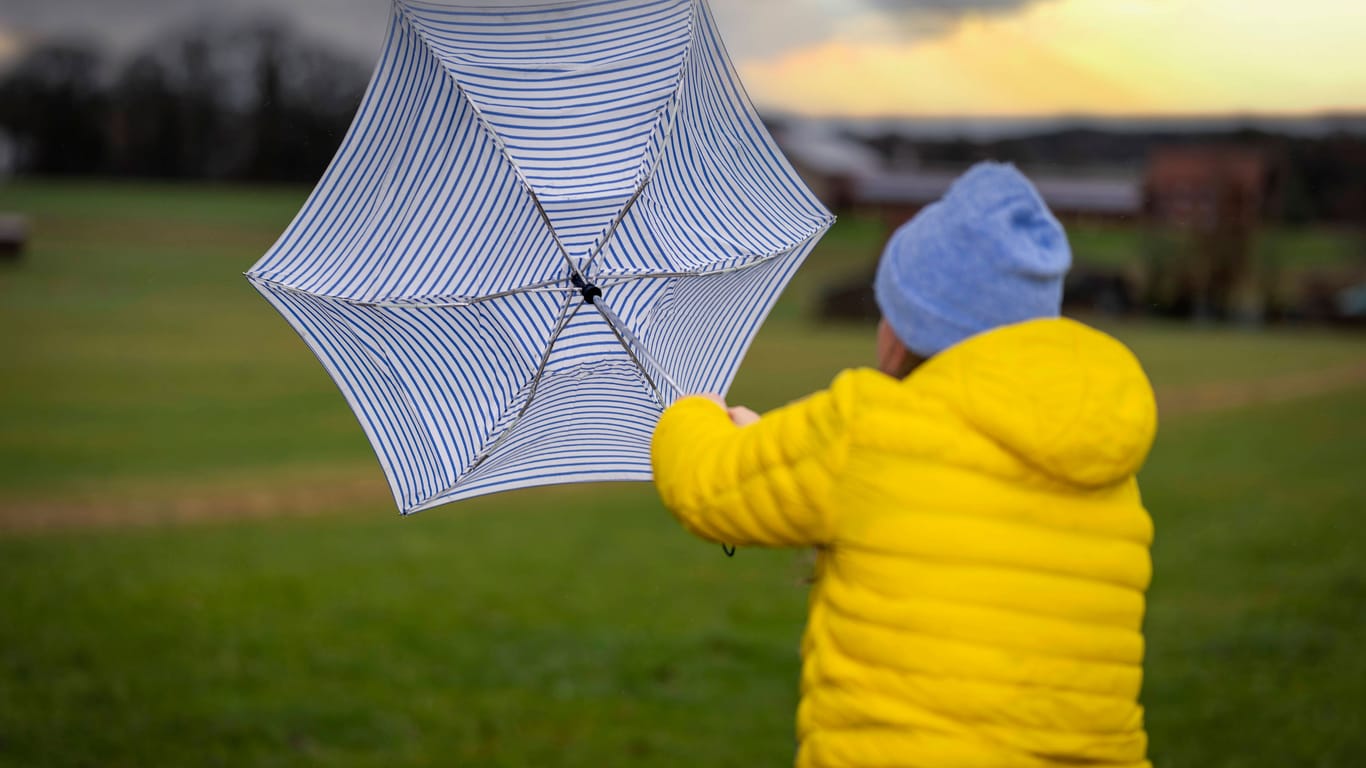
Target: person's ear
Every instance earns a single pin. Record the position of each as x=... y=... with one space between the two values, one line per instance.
x=893 y=358
x=891 y=353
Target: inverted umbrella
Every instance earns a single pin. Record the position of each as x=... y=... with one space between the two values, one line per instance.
x=546 y=223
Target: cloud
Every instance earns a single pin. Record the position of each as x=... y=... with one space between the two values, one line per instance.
x=763 y=29
x=1120 y=57
x=9 y=44
x=753 y=29
x=748 y=26
x=948 y=6
x=980 y=70
x=927 y=19
x=123 y=25
x=760 y=29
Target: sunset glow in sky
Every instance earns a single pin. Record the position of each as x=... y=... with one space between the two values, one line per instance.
x=911 y=57
x=1088 y=56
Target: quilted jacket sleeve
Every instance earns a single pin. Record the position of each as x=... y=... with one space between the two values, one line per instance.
x=767 y=484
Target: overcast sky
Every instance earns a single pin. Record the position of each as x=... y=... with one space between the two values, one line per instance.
x=942 y=57
x=753 y=28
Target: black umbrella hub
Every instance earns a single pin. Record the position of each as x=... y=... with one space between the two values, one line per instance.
x=590 y=292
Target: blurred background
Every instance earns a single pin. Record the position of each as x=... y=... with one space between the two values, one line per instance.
x=199 y=560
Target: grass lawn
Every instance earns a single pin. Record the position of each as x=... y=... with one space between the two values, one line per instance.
x=572 y=626
x=1278 y=249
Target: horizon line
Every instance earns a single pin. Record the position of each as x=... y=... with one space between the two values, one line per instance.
x=1326 y=113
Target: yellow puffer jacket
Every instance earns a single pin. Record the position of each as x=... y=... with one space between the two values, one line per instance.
x=984 y=551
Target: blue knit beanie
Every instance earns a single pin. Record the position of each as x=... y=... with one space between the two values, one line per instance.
x=986 y=255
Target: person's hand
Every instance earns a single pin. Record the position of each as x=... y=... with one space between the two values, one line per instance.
x=739 y=415
x=715 y=398
x=742 y=416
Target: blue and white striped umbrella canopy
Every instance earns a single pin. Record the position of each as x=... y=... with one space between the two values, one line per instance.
x=546 y=224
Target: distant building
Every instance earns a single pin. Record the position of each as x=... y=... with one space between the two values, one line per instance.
x=895 y=197
x=899 y=196
x=1195 y=207
x=831 y=165
x=850 y=176
x=9 y=156
x=13 y=236
x=13 y=227
x=1204 y=188
x=848 y=173
x=1216 y=196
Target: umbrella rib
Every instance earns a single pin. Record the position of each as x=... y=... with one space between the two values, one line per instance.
x=753 y=260
x=545 y=217
x=629 y=340
x=549 y=286
x=567 y=313
x=498 y=142
x=675 y=104
x=616 y=222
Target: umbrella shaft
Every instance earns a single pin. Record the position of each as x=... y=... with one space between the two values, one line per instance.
x=634 y=347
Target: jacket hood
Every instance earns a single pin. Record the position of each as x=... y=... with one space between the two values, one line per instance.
x=1065 y=398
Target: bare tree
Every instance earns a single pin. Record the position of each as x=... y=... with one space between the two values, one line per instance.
x=53 y=104
x=220 y=99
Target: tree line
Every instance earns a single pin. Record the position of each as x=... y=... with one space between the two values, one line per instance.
x=249 y=100
x=255 y=100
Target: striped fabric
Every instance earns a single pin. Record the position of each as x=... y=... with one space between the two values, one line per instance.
x=546 y=223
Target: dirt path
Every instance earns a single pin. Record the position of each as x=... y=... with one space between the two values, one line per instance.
x=311 y=497
x=1229 y=395
x=362 y=486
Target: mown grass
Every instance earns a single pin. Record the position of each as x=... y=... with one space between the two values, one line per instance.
x=560 y=630
x=1258 y=608
x=572 y=626
x=580 y=627
x=135 y=353
x=1276 y=250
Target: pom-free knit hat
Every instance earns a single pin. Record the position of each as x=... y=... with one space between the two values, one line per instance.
x=988 y=254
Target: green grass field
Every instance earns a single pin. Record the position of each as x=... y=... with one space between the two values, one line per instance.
x=573 y=626
x=1279 y=250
